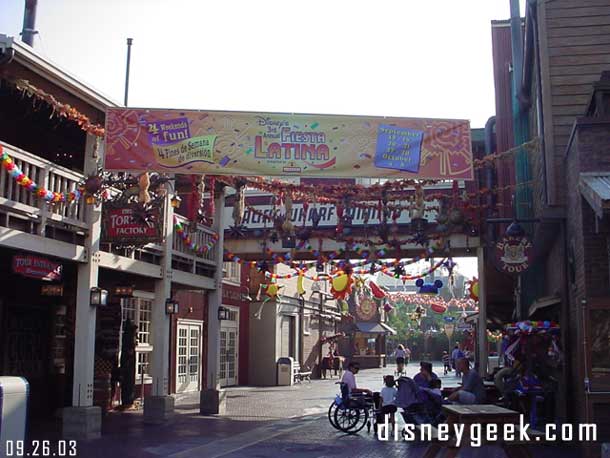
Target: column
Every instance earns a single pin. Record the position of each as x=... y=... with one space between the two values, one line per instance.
x=482 y=324
x=83 y=420
x=159 y=407
x=212 y=400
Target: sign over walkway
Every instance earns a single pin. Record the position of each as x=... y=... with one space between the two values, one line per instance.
x=272 y=144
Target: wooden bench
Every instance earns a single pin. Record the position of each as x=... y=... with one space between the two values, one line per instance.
x=299 y=375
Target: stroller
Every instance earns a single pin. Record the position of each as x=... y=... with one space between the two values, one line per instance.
x=418 y=406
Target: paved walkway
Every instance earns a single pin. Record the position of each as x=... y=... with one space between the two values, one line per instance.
x=260 y=423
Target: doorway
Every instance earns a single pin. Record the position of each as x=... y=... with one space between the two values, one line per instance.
x=229 y=340
x=188 y=347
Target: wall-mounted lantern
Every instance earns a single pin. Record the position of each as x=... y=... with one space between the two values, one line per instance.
x=98 y=297
x=223 y=313
x=171 y=306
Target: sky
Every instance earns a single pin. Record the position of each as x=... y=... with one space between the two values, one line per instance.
x=411 y=58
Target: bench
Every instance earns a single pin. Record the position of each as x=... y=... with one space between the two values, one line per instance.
x=299 y=375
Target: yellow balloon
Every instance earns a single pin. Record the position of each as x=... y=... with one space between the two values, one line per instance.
x=340 y=282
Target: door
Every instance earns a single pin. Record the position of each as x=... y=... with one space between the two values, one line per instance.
x=288 y=336
x=229 y=340
x=188 y=355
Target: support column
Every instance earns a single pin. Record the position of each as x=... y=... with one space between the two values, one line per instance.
x=482 y=324
x=83 y=420
x=212 y=400
x=159 y=407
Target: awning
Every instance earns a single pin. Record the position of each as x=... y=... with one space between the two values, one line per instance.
x=389 y=329
x=595 y=188
x=543 y=302
x=373 y=328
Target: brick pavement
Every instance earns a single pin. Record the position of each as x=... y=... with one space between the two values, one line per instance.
x=260 y=423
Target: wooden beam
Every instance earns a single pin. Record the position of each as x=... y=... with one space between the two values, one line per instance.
x=192 y=280
x=133 y=266
x=12 y=238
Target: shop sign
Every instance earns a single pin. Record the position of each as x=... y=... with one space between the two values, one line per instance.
x=37 y=267
x=121 y=225
x=280 y=144
x=513 y=254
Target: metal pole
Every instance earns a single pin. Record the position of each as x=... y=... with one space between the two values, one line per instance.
x=129 y=43
x=29 y=22
x=482 y=325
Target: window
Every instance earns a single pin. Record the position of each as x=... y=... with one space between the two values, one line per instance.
x=231 y=271
x=306 y=325
x=139 y=311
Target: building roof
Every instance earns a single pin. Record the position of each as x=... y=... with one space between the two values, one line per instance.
x=30 y=59
x=374 y=328
x=595 y=188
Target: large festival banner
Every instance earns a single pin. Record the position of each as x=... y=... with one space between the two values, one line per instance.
x=271 y=144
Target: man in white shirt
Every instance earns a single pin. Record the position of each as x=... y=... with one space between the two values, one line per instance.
x=349 y=378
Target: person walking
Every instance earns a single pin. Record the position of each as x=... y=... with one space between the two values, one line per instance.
x=400 y=354
x=455 y=355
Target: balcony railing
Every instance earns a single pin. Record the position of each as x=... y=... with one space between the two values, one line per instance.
x=19 y=201
x=186 y=259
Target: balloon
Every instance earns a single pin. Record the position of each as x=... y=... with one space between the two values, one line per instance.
x=438 y=308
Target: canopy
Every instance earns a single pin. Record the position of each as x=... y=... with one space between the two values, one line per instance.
x=374 y=328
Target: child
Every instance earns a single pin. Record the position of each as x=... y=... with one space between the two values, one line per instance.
x=388 y=403
x=446 y=362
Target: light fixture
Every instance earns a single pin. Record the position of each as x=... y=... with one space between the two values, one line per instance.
x=123 y=291
x=223 y=313
x=171 y=306
x=98 y=297
x=245 y=297
x=52 y=290
x=176 y=201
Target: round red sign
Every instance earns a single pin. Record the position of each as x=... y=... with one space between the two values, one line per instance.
x=513 y=254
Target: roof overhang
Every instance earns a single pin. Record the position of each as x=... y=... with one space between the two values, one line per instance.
x=543 y=302
x=28 y=58
x=595 y=188
x=373 y=328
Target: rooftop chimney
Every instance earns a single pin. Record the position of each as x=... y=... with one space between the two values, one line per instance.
x=29 y=22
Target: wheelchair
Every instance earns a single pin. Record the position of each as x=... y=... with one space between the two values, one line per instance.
x=350 y=413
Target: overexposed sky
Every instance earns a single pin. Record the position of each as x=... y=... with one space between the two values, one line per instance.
x=412 y=58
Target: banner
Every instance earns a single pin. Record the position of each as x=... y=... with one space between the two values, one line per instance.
x=272 y=144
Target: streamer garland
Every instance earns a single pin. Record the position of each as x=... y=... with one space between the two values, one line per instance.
x=26 y=182
x=190 y=243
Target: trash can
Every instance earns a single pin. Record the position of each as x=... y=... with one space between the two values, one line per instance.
x=14 y=392
x=284 y=372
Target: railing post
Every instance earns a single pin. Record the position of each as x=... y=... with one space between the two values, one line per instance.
x=42 y=204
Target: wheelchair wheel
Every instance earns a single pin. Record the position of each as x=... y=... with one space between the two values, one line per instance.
x=331 y=415
x=351 y=420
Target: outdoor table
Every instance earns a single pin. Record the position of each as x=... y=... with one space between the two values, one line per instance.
x=478 y=414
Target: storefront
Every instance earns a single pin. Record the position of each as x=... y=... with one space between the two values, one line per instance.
x=368 y=342
x=37 y=327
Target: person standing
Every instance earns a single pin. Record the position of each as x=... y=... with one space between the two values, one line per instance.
x=446 y=362
x=400 y=354
x=455 y=355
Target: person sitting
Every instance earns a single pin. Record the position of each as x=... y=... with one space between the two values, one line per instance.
x=349 y=379
x=472 y=390
x=425 y=375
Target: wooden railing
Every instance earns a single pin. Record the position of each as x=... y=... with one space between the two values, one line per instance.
x=187 y=258
x=46 y=174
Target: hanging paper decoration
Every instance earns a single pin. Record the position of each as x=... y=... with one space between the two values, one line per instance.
x=266 y=293
x=473 y=289
x=341 y=286
x=26 y=182
x=378 y=292
x=428 y=288
x=300 y=288
x=438 y=307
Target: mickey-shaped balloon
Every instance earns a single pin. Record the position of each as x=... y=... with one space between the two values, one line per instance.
x=428 y=288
